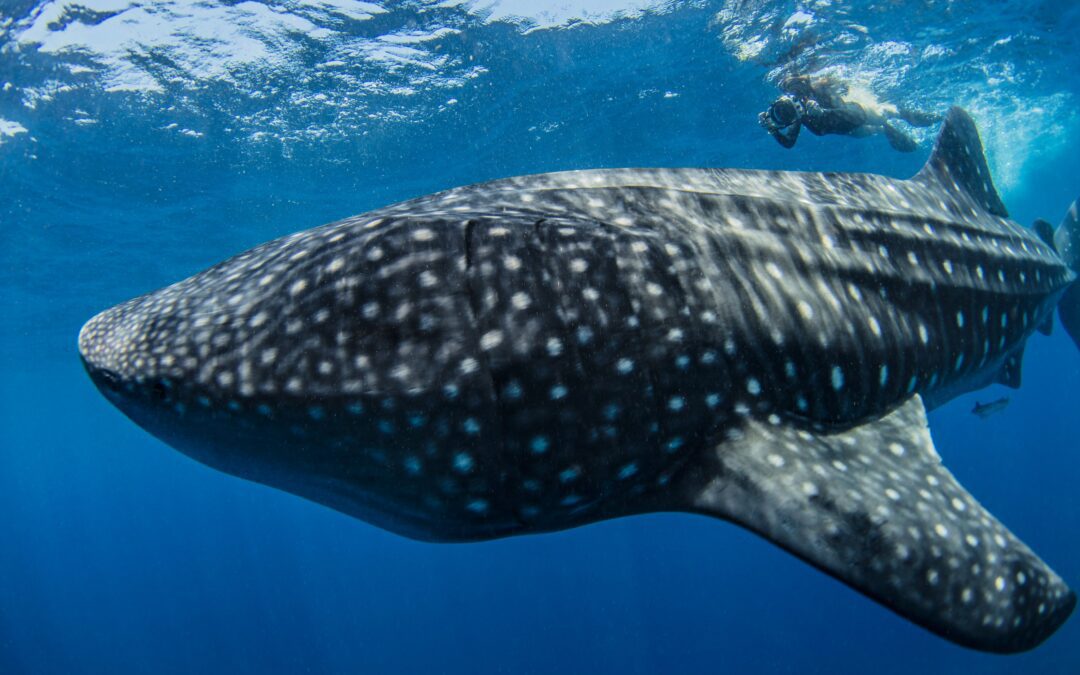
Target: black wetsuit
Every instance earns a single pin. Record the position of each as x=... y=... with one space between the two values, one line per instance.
x=828 y=113
x=846 y=119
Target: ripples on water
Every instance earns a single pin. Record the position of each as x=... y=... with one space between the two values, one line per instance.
x=155 y=138
x=298 y=71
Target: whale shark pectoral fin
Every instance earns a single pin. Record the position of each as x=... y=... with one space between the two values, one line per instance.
x=1047 y=325
x=958 y=163
x=1010 y=373
x=874 y=507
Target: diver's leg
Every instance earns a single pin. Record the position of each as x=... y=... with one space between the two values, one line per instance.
x=898 y=139
x=917 y=118
x=864 y=130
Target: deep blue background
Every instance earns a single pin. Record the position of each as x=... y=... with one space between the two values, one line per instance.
x=119 y=555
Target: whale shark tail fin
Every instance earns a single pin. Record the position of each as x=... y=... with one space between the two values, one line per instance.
x=874 y=507
x=1067 y=243
x=958 y=163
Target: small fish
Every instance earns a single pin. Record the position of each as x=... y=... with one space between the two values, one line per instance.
x=985 y=410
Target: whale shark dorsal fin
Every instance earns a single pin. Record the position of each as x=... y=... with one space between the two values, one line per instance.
x=958 y=163
x=874 y=507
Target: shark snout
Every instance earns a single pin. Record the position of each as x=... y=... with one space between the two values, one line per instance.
x=94 y=341
x=109 y=344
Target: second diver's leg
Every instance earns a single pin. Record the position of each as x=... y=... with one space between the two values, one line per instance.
x=898 y=139
x=917 y=118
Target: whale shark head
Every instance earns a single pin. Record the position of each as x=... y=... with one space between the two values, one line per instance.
x=143 y=357
x=335 y=363
x=161 y=359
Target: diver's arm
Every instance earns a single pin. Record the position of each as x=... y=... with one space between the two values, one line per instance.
x=787 y=137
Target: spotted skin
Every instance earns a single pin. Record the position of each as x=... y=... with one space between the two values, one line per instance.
x=541 y=352
x=915 y=540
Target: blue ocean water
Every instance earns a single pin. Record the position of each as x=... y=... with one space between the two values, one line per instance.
x=141 y=142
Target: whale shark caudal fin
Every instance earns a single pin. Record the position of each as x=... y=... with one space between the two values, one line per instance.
x=1067 y=243
x=874 y=507
x=957 y=163
x=1067 y=237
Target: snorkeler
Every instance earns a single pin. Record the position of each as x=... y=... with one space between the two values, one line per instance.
x=826 y=106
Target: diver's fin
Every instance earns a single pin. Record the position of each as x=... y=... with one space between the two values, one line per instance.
x=874 y=507
x=1009 y=375
x=1067 y=243
x=957 y=162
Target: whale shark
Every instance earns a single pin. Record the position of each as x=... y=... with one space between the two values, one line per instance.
x=542 y=352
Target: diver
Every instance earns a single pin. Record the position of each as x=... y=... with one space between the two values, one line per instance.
x=826 y=106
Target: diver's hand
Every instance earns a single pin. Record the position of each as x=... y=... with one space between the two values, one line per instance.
x=765 y=122
x=813 y=108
